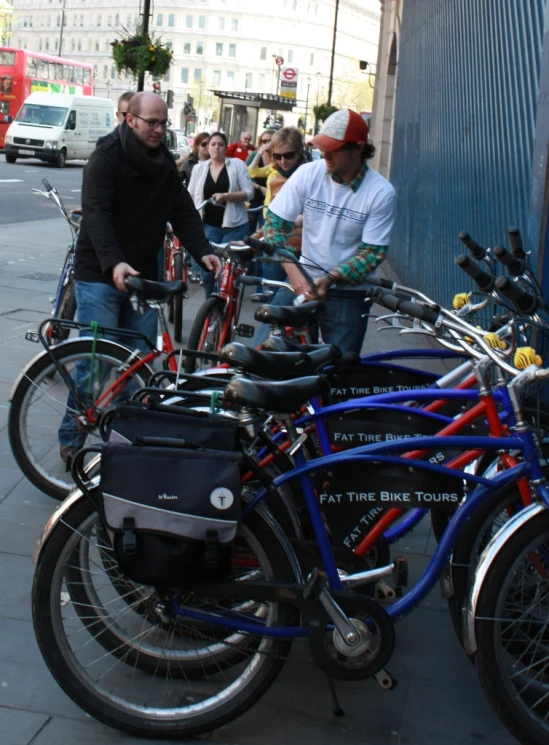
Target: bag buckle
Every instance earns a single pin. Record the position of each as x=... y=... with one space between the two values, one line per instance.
x=212 y=549
x=129 y=540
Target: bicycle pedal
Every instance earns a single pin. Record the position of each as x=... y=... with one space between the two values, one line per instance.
x=400 y=572
x=246 y=330
x=386 y=592
x=314 y=584
x=386 y=680
x=33 y=336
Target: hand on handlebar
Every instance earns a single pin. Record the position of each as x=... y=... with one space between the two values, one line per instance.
x=219 y=198
x=119 y=274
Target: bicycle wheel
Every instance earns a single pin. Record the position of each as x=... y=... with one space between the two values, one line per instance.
x=177 y=302
x=136 y=688
x=512 y=628
x=207 y=332
x=66 y=310
x=40 y=406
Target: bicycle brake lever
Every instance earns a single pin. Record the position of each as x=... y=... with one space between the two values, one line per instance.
x=136 y=304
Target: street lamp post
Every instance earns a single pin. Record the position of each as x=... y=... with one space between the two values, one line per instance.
x=62 y=26
x=307 y=104
x=333 y=54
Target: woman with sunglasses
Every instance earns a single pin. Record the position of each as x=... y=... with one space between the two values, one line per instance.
x=199 y=152
x=226 y=181
x=260 y=182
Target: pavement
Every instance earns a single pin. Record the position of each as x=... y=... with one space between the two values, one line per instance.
x=438 y=700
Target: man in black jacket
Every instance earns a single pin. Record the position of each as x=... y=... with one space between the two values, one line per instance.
x=131 y=189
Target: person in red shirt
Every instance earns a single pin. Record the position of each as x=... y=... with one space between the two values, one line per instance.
x=242 y=148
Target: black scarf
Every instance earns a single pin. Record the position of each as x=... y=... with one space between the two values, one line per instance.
x=155 y=163
x=288 y=172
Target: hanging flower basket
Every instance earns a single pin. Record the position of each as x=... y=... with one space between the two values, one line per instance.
x=139 y=53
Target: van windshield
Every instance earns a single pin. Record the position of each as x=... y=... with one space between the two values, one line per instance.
x=49 y=116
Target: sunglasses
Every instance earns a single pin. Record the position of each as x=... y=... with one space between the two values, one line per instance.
x=286 y=156
x=204 y=144
x=265 y=142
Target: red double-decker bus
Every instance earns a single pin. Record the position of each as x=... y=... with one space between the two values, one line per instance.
x=23 y=72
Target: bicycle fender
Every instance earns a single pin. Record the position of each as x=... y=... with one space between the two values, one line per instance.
x=75 y=496
x=516 y=523
x=48 y=352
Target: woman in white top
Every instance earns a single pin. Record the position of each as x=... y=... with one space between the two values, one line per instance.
x=227 y=182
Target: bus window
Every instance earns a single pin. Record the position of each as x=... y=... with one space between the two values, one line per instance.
x=31 y=67
x=58 y=71
x=87 y=76
x=78 y=75
x=6 y=84
x=7 y=58
x=51 y=70
x=41 y=69
x=68 y=73
x=4 y=107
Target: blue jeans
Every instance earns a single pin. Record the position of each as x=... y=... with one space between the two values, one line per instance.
x=221 y=235
x=341 y=324
x=107 y=306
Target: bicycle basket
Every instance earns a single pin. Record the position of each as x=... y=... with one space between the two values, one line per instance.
x=172 y=512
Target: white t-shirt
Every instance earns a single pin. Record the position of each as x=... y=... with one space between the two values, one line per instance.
x=336 y=219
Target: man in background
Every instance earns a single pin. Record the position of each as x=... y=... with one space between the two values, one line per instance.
x=242 y=148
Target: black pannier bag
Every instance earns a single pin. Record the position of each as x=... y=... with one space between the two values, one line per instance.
x=137 y=419
x=171 y=509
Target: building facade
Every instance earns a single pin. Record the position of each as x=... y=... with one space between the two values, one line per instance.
x=228 y=45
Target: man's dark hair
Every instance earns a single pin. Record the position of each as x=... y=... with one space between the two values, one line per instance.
x=369 y=150
x=219 y=134
x=125 y=97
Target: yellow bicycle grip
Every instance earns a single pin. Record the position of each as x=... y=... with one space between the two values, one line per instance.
x=526 y=356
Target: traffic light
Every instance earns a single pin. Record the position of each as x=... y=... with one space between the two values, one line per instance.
x=169 y=99
x=156 y=88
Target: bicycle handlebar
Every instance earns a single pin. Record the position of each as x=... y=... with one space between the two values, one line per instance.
x=477 y=252
x=281 y=255
x=47 y=185
x=380 y=282
x=484 y=281
x=524 y=301
x=516 y=243
x=515 y=266
x=415 y=310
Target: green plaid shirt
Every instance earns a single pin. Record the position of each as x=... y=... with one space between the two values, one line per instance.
x=352 y=272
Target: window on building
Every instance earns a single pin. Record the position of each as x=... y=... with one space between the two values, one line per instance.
x=219 y=49
x=263 y=53
x=109 y=20
x=249 y=80
x=90 y=45
x=97 y=45
x=316 y=8
x=47 y=44
x=185 y=75
x=79 y=45
x=105 y=72
x=166 y=77
x=81 y=20
x=201 y=21
x=65 y=19
x=56 y=44
x=171 y=20
x=116 y=19
x=221 y=24
x=230 y=79
x=187 y=47
x=261 y=82
x=169 y=45
x=290 y=55
x=99 y=20
x=40 y=45
x=312 y=58
x=232 y=50
x=189 y=21
x=113 y=72
x=217 y=78
x=159 y=19
x=294 y=5
x=198 y=75
x=73 y=45
x=234 y=24
x=57 y=21
x=48 y=23
x=200 y=47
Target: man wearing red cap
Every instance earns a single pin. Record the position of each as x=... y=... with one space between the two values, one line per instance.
x=348 y=213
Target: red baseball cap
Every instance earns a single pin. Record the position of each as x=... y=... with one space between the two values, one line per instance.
x=340 y=128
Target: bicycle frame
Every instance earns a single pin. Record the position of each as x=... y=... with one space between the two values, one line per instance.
x=530 y=468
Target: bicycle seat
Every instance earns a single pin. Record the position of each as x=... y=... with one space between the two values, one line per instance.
x=270 y=365
x=282 y=344
x=289 y=315
x=146 y=289
x=283 y=397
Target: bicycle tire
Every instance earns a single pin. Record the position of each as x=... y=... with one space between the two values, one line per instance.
x=177 y=302
x=512 y=692
x=42 y=378
x=67 y=311
x=206 y=331
x=192 y=716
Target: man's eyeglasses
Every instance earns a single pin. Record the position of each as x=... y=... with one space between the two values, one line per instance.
x=286 y=156
x=154 y=123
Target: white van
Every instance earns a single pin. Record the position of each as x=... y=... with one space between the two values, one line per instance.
x=56 y=127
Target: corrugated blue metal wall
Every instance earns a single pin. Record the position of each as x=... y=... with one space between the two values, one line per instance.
x=465 y=116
